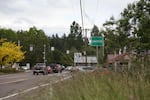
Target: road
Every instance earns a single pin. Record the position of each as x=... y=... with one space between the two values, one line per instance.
x=12 y=85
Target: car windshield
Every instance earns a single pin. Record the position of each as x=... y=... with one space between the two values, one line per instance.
x=40 y=64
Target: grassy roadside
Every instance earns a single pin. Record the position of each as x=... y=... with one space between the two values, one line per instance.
x=97 y=86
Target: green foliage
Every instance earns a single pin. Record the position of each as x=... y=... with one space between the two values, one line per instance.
x=73 y=42
x=8 y=70
x=131 y=30
x=36 y=39
x=91 y=50
x=75 y=36
x=95 y=31
x=9 y=34
x=66 y=59
x=33 y=38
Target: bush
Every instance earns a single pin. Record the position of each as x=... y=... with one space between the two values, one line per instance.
x=8 y=70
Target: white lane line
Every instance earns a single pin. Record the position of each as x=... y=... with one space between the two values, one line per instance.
x=13 y=81
x=44 y=84
x=33 y=88
x=8 y=76
x=12 y=95
x=27 y=90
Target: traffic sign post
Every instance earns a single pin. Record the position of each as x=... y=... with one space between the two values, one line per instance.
x=98 y=41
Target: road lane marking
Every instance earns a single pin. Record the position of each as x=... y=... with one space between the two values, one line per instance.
x=33 y=88
x=27 y=90
x=11 y=76
x=12 y=95
x=20 y=80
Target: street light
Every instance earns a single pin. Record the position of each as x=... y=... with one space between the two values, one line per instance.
x=52 y=48
x=67 y=51
x=18 y=42
x=31 y=47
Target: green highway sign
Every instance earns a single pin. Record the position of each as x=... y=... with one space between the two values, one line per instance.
x=97 y=41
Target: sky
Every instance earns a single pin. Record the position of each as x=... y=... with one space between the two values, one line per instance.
x=56 y=16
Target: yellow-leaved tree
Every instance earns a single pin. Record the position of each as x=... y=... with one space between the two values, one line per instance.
x=10 y=53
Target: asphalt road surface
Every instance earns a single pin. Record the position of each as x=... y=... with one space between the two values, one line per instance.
x=14 y=85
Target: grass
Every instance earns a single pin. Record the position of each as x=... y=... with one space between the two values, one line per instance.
x=1 y=73
x=98 y=86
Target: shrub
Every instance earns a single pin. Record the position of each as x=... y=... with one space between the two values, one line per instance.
x=8 y=70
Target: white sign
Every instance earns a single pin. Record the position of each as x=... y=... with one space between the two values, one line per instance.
x=52 y=48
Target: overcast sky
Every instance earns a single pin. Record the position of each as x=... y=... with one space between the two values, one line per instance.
x=56 y=16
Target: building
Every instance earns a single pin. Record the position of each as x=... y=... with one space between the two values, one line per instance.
x=119 y=61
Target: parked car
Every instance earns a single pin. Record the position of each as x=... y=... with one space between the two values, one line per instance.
x=40 y=68
x=87 y=68
x=56 y=68
x=72 y=69
x=49 y=69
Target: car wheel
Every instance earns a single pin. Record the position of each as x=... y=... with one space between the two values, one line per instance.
x=33 y=73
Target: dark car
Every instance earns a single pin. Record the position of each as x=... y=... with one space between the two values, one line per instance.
x=56 y=68
x=40 y=68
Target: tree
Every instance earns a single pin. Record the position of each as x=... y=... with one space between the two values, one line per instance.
x=110 y=36
x=135 y=23
x=75 y=37
x=132 y=29
x=9 y=34
x=66 y=59
x=10 y=53
x=95 y=31
x=35 y=38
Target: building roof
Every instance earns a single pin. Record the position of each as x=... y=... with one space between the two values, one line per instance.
x=113 y=58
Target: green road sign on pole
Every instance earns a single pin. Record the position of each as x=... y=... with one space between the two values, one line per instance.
x=97 y=41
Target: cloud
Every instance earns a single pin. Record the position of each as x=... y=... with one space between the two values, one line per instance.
x=57 y=15
x=13 y=6
x=55 y=30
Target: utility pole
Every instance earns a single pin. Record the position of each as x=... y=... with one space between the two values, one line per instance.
x=44 y=54
x=86 y=47
x=84 y=31
x=86 y=43
x=82 y=16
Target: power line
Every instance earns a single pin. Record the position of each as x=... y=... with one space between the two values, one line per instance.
x=91 y=19
x=96 y=11
x=82 y=15
x=88 y=18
